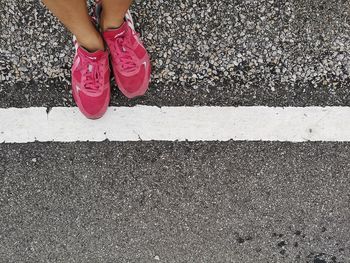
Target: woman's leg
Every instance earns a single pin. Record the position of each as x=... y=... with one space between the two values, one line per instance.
x=113 y=13
x=130 y=60
x=74 y=15
x=90 y=68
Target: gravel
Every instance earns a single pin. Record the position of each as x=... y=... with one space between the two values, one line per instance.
x=203 y=52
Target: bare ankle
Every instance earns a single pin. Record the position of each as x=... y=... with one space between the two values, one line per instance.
x=92 y=43
x=110 y=22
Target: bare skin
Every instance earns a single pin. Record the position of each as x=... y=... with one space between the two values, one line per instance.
x=74 y=15
x=113 y=13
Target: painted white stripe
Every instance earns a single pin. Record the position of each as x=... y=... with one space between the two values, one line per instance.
x=177 y=123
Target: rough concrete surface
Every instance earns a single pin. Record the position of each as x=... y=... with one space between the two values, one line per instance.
x=250 y=52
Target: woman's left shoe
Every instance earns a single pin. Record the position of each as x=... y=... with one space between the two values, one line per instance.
x=129 y=58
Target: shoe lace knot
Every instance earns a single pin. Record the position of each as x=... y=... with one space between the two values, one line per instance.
x=124 y=52
x=93 y=76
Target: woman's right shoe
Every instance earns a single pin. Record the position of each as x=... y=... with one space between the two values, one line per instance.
x=91 y=81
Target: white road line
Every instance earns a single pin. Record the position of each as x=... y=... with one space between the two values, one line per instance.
x=177 y=123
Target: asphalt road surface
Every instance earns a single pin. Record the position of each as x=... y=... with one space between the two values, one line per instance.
x=175 y=202
x=181 y=201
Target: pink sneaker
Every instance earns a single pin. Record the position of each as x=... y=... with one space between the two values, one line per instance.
x=91 y=81
x=130 y=60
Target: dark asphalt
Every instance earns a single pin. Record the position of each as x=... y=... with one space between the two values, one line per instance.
x=58 y=93
x=175 y=202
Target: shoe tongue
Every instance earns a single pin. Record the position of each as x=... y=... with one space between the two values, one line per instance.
x=91 y=55
x=113 y=33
